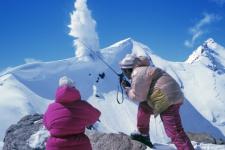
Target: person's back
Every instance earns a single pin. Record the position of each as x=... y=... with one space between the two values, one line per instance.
x=160 y=81
x=157 y=93
x=67 y=118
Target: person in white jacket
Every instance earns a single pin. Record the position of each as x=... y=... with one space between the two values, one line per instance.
x=158 y=94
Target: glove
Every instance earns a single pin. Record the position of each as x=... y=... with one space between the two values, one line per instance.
x=125 y=83
x=94 y=126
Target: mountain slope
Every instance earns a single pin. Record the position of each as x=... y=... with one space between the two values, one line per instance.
x=16 y=101
x=209 y=54
x=207 y=71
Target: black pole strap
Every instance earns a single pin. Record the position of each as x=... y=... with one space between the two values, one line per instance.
x=99 y=57
x=117 y=94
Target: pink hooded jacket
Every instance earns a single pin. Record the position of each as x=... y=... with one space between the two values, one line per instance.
x=142 y=79
x=66 y=120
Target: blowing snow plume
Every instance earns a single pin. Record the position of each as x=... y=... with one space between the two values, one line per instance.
x=83 y=30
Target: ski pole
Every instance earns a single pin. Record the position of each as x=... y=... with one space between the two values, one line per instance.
x=120 y=75
x=93 y=52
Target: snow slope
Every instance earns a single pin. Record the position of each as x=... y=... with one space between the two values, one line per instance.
x=207 y=74
x=16 y=101
x=28 y=89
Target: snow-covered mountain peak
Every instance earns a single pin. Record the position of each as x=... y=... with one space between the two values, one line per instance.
x=116 y=52
x=132 y=44
x=211 y=43
x=203 y=50
x=196 y=55
x=209 y=54
x=122 y=42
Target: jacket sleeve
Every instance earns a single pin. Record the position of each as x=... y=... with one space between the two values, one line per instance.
x=131 y=93
x=140 y=83
x=91 y=114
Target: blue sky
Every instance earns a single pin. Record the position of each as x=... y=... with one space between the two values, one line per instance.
x=38 y=29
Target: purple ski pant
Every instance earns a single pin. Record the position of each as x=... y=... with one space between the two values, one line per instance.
x=171 y=121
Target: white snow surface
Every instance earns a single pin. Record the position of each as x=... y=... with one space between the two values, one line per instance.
x=1 y=145
x=38 y=138
x=16 y=101
x=29 y=88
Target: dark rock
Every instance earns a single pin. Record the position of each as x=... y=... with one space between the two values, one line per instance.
x=103 y=141
x=102 y=75
x=202 y=138
x=220 y=141
x=17 y=135
x=97 y=80
x=96 y=95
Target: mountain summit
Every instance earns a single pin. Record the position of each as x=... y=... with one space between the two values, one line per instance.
x=210 y=54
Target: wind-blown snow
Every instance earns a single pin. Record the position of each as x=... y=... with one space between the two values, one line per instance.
x=30 y=85
x=83 y=30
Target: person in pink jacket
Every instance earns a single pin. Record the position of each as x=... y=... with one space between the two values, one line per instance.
x=67 y=118
x=158 y=94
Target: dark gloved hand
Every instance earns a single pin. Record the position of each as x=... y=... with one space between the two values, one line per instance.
x=93 y=126
x=90 y=127
x=125 y=83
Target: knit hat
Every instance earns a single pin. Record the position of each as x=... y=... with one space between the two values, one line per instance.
x=143 y=61
x=66 y=81
x=128 y=61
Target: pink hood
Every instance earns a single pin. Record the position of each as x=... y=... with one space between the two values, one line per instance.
x=66 y=120
x=66 y=94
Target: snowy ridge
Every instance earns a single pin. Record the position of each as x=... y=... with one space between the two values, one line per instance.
x=202 y=51
x=210 y=54
x=31 y=86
